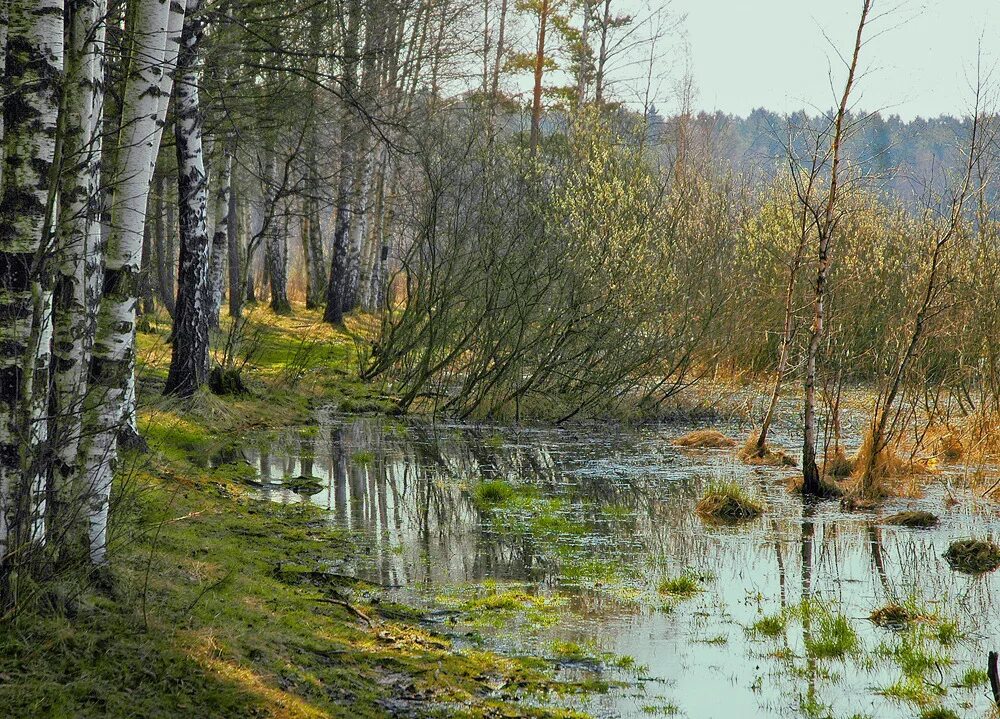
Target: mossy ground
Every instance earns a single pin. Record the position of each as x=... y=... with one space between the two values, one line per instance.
x=207 y=615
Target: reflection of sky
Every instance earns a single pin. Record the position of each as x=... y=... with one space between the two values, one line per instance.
x=405 y=492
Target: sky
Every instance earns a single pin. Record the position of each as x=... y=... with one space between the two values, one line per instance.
x=777 y=54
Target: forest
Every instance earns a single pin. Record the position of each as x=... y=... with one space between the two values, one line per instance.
x=441 y=358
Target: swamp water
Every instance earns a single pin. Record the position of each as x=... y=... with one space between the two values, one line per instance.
x=582 y=547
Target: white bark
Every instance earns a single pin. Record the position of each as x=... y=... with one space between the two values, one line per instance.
x=220 y=238
x=189 y=355
x=33 y=64
x=78 y=246
x=155 y=34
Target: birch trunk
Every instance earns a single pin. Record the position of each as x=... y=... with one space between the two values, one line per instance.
x=825 y=231
x=335 y=292
x=359 y=232
x=235 y=255
x=33 y=66
x=275 y=242
x=220 y=238
x=189 y=355
x=78 y=254
x=156 y=30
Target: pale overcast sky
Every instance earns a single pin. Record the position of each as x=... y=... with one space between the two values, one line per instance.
x=772 y=53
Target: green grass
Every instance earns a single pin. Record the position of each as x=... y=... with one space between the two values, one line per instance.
x=831 y=636
x=728 y=501
x=487 y=495
x=215 y=610
x=683 y=586
x=771 y=625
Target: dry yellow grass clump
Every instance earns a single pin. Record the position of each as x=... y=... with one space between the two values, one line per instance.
x=769 y=457
x=704 y=439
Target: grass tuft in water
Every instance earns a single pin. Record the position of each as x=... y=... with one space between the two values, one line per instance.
x=915 y=520
x=727 y=501
x=972 y=678
x=704 y=439
x=489 y=494
x=973 y=556
x=771 y=625
x=938 y=712
x=684 y=586
x=830 y=635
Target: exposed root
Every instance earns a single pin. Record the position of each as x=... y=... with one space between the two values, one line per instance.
x=704 y=439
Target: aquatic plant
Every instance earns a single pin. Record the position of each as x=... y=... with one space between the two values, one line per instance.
x=303 y=484
x=973 y=556
x=915 y=519
x=489 y=494
x=727 y=501
x=833 y=636
x=766 y=456
x=770 y=625
x=683 y=586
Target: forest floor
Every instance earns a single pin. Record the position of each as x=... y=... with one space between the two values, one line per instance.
x=222 y=605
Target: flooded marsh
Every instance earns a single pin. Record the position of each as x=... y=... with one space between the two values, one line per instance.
x=585 y=548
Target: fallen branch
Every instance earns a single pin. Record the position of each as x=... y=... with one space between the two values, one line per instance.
x=349 y=607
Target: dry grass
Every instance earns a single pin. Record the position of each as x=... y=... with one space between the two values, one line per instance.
x=704 y=439
x=838 y=465
x=885 y=474
x=769 y=457
x=917 y=519
x=973 y=556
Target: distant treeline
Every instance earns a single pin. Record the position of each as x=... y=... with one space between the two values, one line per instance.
x=906 y=158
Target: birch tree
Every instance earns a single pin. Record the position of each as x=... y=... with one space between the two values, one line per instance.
x=78 y=249
x=154 y=38
x=32 y=76
x=220 y=238
x=827 y=217
x=189 y=356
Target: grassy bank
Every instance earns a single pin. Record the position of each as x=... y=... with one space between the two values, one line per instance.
x=221 y=605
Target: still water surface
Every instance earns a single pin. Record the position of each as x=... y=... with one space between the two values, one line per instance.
x=609 y=514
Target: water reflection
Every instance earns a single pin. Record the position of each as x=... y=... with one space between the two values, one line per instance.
x=407 y=489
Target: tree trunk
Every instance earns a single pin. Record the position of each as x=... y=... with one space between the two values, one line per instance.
x=33 y=67
x=336 y=289
x=536 y=96
x=189 y=356
x=164 y=257
x=157 y=27
x=236 y=259
x=78 y=256
x=220 y=238
x=275 y=241
x=827 y=225
x=359 y=232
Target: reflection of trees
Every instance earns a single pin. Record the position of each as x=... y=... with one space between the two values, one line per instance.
x=411 y=502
